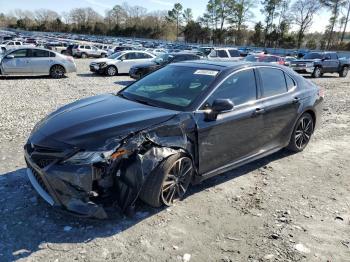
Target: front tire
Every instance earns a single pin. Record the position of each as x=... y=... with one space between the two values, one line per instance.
x=111 y=70
x=344 y=71
x=83 y=55
x=317 y=72
x=168 y=182
x=302 y=133
x=57 y=71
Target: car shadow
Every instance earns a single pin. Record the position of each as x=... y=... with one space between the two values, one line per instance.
x=28 y=224
x=324 y=76
x=28 y=77
x=90 y=75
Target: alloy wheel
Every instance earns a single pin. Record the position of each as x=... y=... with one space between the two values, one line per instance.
x=111 y=71
x=57 y=72
x=176 y=181
x=303 y=132
x=318 y=72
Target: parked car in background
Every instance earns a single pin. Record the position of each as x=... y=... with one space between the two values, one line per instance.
x=225 y=54
x=36 y=61
x=318 y=63
x=140 y=70
x=85 y=51
x=288 y=60
x=182 y=124
x=273 y=59
x=118 y=49
x=58 y=47
x=8 y=45
x=120 y=63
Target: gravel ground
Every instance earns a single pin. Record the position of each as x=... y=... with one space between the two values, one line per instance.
x=281 y=208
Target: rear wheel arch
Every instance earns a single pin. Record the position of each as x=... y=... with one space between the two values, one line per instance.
x=312 y=113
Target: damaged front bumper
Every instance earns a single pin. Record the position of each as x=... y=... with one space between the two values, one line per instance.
x=54 y=186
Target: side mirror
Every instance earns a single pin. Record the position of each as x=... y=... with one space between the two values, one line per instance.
x=10 y=56
x=218 y=106
x=222 y=105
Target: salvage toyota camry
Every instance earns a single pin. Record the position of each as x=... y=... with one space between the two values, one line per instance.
x=177 y=126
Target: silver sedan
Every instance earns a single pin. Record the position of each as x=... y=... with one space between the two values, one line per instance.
x=36 y=61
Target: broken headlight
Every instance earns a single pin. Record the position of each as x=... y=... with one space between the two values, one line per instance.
x=91 y=157
x=88 y=157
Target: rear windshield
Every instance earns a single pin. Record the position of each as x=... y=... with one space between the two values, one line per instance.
x=313 y=56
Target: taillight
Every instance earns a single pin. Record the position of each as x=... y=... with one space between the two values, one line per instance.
x=320 y=92
x=69 y=58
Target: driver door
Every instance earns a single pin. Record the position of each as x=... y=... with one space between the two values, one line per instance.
x=19 y=64
x=234 y=135
x=127 y=60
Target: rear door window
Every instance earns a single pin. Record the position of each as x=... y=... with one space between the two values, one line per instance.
x=290 y=82
x=40 y=53
x=273 y=81
x=234 y=53
x=222 y=53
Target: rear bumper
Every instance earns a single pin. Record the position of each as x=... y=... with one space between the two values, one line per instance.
x=71 y=68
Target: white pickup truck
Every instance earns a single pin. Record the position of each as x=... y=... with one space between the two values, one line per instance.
x=7 y=45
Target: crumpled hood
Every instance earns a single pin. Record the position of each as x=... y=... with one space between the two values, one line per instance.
x=89 y=123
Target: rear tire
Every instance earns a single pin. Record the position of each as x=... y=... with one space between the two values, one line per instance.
x=302 y=133
x=168 y=182
x=57 y=71
x=344 y=71
x=111 y=70
x=317 y=72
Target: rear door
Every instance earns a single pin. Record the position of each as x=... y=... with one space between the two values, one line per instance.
x=281 y=103
x=40 y=61
x=334 y=62
x=20 y=64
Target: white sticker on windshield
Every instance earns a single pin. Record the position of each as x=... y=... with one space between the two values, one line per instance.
x=206 y=72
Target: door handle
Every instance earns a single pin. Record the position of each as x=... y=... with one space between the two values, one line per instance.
x=258 y=111
x=296 y=100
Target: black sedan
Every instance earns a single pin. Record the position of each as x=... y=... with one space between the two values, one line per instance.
x=140 y=70
x=182 y=124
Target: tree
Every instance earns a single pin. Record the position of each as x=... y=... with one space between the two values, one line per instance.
x=187 y=15
x=303 y=13
x=311 y=44
x=270 y=8
x=346 y=20
x=256 y=38
x=175 y=15
x=334 y=6
x=241 y=13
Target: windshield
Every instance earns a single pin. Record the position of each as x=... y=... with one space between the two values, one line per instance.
x=163 y=58
x=115 y=55
x=174 y=87
x=251 y=58
x=313 y=56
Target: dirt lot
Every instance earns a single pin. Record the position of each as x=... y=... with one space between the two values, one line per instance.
x=282 y=208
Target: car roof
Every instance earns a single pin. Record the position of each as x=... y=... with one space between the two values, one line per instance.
x=223 y=65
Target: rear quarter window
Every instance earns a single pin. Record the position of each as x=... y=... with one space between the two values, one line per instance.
x=273 y=81
x=289 y=81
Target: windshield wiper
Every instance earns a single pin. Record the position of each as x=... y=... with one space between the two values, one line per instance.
x=136 y=100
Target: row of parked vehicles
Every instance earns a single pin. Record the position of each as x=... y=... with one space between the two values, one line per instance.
x=27 y=59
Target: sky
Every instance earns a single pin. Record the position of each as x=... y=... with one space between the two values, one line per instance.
x=198 y=7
